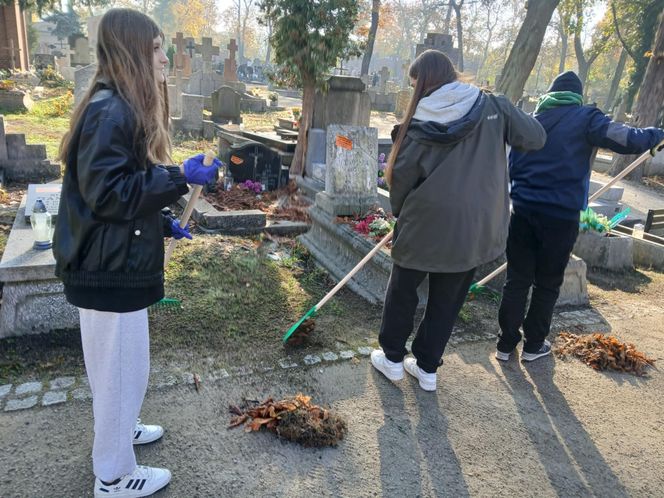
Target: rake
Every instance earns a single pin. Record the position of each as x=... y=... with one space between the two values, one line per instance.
x=170 y=303
x=305 y=325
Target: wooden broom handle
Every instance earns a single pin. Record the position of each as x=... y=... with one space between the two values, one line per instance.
x=642 y=158
x=186 y=214
x=357 y=268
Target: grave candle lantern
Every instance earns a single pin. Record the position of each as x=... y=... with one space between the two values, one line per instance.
x=42 y=226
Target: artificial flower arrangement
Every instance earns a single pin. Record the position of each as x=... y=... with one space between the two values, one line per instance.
x=375 y=224
x=382 y=165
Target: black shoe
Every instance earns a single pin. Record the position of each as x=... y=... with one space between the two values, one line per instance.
x=545 y=350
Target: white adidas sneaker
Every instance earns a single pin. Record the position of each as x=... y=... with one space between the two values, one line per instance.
x=427 y=380
x=144 y=434
x=390 y=369
x=143 y=481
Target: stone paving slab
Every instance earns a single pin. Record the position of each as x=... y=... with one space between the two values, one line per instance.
x=66 y=389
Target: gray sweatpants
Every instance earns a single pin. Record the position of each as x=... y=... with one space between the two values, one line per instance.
x=116 y=349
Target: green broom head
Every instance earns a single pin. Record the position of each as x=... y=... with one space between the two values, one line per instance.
x=309 y=314
x=167 y=304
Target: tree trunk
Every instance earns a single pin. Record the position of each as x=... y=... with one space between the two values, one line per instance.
x=650 y=100
x=268 y=53
x=448 y=19
x=366 y=60
x=564 y=39
x=526 y=48
x=615 y=83
x=308 y=94
x=459 y=30
x=584 y=65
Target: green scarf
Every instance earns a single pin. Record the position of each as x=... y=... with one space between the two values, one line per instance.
x=557 y=99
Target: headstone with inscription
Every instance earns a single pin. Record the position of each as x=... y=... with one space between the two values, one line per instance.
x=226 y=105
x=351 y=170
x=49 y=193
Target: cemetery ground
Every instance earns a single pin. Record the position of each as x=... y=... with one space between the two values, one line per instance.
x=551 y=428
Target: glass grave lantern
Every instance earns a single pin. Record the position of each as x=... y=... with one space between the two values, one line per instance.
x=42 y=226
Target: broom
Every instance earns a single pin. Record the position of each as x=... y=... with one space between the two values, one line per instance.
x=305 y=325
x=478 y=287
x=184 y=219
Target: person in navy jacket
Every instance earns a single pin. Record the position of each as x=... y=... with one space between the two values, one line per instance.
x=549 y=187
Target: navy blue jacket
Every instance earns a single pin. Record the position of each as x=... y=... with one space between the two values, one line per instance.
x=555 y=179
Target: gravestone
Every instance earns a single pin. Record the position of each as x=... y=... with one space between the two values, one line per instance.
x=15 y=100
x=82 y=80
x=93 y=30
x=49 y=193
x=383 y=100
x=405 y=80
x=33 y=299
x=230 y=65
x=401 y=105
x=442 y=43
x=80 y=55
x=192 y=121
x=346 y=102
x=24 y=162
x=226 y=105
x=176 y=87
x=384 y=75
x=351 y=171
x=181 y=61
x=207 y=50
x=42 y=61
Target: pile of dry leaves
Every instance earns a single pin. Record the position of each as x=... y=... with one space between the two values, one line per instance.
x=603 y=352
x=286 y=203
x=295 y=419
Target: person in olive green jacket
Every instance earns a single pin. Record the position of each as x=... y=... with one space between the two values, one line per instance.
x=449 y=189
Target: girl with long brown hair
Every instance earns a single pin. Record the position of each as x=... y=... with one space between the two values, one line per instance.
x=109 y=236
x=449 y=190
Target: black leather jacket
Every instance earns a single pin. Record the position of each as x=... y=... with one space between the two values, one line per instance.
x=110 y=231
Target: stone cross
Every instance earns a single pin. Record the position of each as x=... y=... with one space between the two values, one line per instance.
x=191 y=47
x=230 y=66
x=178 y=41
x=207 y=50
x=384 y=76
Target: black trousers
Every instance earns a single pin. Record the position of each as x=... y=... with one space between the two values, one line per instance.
x=538 y=249
x=447 y=292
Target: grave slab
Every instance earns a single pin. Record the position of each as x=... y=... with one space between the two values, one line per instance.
x=33 y=298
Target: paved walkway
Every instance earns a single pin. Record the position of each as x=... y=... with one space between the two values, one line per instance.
x=552 y=428
x=638 y=197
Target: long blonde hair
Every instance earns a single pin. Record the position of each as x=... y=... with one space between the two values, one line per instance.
x=125 y=61
x=431 y=70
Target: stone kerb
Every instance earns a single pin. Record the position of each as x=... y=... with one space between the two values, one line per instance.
x=242 y=222
x=33 y=298
x=609 y=252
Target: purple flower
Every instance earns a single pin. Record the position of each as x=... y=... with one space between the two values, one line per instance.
x=381 y=157
x=381 y=181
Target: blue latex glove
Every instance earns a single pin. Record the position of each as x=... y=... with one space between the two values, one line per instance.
x=179 y=232
x=198 y=174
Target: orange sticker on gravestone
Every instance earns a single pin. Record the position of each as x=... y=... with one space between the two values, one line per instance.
x=344 y=142
x=237 y=160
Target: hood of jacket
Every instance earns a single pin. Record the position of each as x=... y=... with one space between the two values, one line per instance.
x=467 y=113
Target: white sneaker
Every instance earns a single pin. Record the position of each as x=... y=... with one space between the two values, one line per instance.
x=390 y=369
x=427 y=380
x=143 y=481
x=144 y=434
